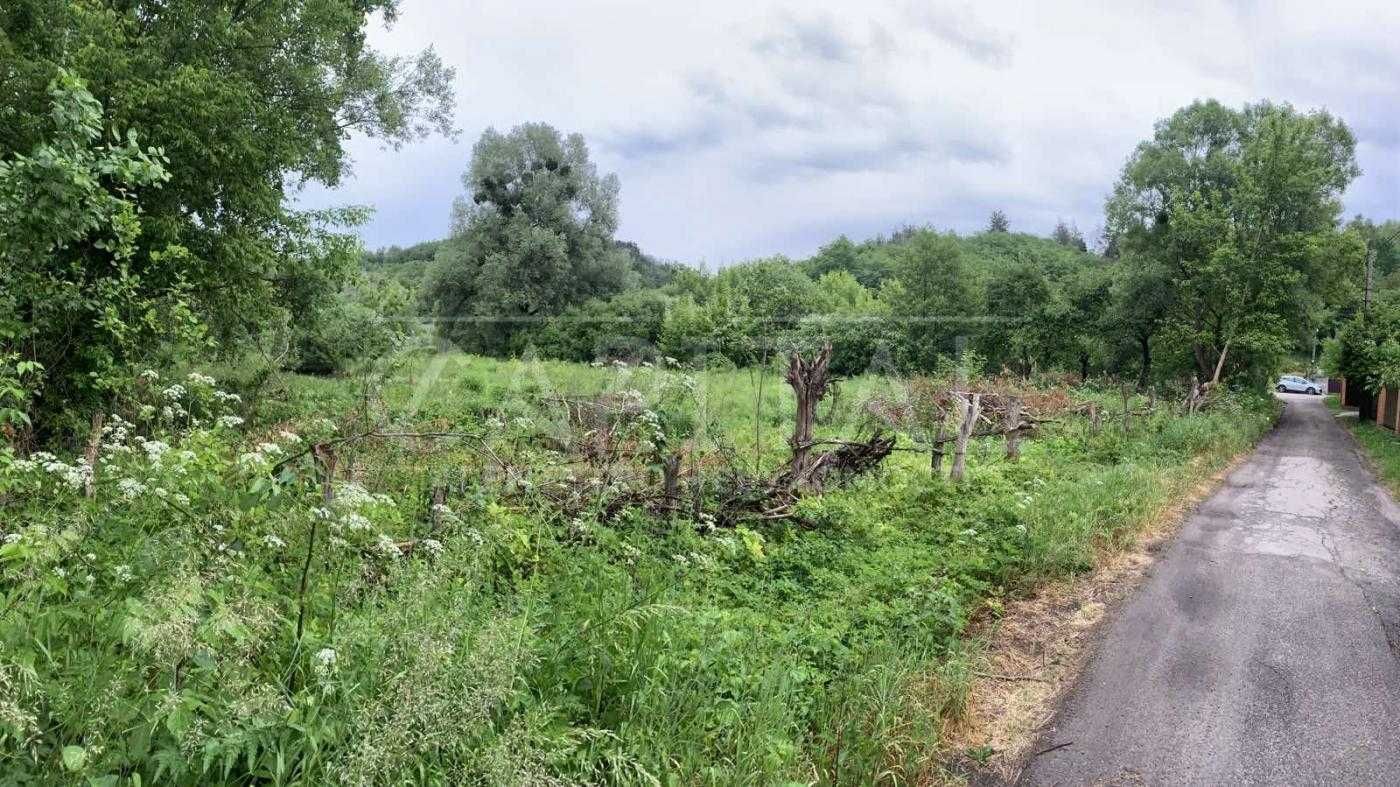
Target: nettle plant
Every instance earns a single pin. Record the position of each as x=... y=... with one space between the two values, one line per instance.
x=189 y=576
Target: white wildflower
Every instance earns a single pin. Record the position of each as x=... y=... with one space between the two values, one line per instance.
x=150 y=375
x=432 y=546
x=387 y=546
x=201 y=379
x=155 y=449
x=130 y=488
x=12 y=538
x=122 y=574
x=323 y=664
x=173 y=393
x=273 y=542
x=229 y=421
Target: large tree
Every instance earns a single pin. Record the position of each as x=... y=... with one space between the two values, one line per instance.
x=933 y=298
x=1241 y=209
x=532 y=237
x=247 y=100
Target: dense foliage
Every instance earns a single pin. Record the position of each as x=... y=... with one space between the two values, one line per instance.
x=234 y=104
x=1236 y=213
x=231 y=605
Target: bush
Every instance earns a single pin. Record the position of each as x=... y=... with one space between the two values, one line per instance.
x=367 y=321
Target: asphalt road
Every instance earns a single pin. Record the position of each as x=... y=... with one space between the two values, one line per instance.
x=1262 y=649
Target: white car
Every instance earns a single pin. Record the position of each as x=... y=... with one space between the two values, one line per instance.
x=1292 y=383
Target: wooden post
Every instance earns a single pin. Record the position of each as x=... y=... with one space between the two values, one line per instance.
x=671 y=477
x=935 y=461
x=1126 y=412
x=972 y=406
x=436 y=501
x=1095 y=423
x=1013 y=429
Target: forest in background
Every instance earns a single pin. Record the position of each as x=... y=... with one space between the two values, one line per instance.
x=528 y=506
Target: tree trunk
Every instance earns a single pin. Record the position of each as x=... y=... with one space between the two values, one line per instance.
x=972 y=406
x=671 y=477
x=1013 y=429
x=809 y=382
x=1145 y=374
x=1220 y=364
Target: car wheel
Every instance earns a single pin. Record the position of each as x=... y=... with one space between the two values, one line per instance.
x=1313 y=391
x=1282 y=389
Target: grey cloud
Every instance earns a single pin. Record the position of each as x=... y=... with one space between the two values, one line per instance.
x=808 y=39
x=641 y=143
x=965 y=33
x=764 y=114
x=890 y=154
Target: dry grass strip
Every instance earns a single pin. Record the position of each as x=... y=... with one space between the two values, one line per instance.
x=1035 y=650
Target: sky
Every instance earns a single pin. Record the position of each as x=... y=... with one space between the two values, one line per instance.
x=748 y=128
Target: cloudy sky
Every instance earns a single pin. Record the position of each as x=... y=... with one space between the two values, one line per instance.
x=743 y=128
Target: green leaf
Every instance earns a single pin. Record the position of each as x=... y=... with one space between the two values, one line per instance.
x=74 y=758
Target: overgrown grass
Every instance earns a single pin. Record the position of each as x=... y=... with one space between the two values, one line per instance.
x=152 y=636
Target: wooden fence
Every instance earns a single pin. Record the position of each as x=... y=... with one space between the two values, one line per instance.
x=1383 y=407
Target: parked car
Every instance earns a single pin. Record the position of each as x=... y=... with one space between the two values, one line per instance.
x=1292 y=383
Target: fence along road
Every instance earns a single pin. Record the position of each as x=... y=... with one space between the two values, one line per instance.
x=1262 y=647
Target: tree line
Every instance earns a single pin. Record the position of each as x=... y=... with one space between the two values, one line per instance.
x=1224 y=258
x=150 y=153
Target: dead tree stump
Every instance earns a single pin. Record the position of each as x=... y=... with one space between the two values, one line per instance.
x=809 y=381
x=1013 y=429
x=971 y=409
x=671 y=477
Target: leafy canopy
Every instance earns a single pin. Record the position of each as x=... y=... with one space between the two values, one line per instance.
x=1240 y=208
x=532 y=236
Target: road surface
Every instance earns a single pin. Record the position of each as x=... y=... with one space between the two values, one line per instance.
x=1262 y=647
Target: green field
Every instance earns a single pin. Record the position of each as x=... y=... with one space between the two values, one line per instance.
x=182 y=627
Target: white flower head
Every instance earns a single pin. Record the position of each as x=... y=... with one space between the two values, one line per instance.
x=386 y=546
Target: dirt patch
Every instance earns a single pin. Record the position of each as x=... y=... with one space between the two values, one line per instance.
x=1035 y=650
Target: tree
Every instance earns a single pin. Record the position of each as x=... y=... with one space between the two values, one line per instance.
x=247 y=101
x=1139 y=303
x=533 y=236
x=998 y=222
x=1068 y=235
x=76 y=302
x=932 y=298
x=1238 y=206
